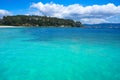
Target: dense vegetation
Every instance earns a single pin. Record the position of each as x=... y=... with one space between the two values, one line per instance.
x=23 y=20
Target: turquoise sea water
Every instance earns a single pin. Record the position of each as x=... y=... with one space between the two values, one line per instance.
x=59 y=54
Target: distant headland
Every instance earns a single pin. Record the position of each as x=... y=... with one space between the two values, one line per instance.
x=103 y=25
x=38 y=21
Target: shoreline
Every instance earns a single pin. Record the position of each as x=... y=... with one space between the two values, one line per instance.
x=6 y=26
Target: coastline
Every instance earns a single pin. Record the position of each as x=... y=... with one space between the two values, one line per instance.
x=6 y=26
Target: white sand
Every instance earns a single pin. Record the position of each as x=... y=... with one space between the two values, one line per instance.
x=7 y=26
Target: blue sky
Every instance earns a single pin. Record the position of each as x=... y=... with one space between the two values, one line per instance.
x=87 y=11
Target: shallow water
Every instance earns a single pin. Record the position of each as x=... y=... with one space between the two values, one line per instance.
x=59 y=54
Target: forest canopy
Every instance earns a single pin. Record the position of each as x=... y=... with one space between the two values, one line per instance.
x=24 y=20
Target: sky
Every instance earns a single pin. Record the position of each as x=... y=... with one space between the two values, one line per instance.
x=86 y=11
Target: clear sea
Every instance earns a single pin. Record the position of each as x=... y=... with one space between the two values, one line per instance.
x=59 y=54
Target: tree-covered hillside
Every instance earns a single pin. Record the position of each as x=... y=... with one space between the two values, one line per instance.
x=23 y=20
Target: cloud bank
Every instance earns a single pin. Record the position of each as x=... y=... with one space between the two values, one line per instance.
x=4 y=13
x=86 y=14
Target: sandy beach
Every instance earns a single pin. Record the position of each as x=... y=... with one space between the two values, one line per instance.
x=7 y=26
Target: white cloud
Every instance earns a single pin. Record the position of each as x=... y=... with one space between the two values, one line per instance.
x=4 y=13
x=114 y=19
x=95 y=13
